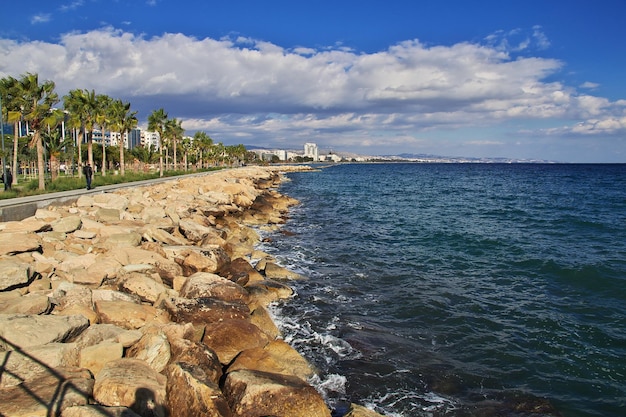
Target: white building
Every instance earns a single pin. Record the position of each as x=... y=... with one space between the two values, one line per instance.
x=310 y=150
x=151 y=139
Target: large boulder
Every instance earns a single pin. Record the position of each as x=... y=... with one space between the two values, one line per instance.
x=144 y=286
x=47 y=395
x=204 y=284
x=153 y=348
x=98 y=411
x=131 y=383
x=198 y=355
x=230 y=337
x=13 y=243
x=24 y=365
x=256 y=393
x=277 y=357
x=129 y=315
x=13 y=273
x=192 y=393
x=204 y=310
x=96 y=356
x=22 y=331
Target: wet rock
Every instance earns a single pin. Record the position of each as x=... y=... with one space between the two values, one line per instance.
x=204 y=310
x=255 y=393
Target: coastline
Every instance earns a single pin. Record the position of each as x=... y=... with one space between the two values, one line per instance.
x=145 y=301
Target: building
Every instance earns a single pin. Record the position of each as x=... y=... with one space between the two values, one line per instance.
x=310 y=151
x=150 y=139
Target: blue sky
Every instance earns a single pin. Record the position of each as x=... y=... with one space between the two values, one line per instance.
x=519 y=79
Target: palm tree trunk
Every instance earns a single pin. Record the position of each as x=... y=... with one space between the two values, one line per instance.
x=122 y=155
x=40 y=166
x=16 y=138
x=104 y=157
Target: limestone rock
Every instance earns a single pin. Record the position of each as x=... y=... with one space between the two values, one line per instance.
x=204 y=310
x=113 y=295
x=204 y=284
x=110 y=201
x=96 y=356
x=261 y=318
x=108 y=215
x=145 y=287
x=98 y=411
x=230 y=337
x=276 y=357
x=192 y=393
x=240 y=271
x=25 y=365
x=274 y=271
x=47 y=395
x=255 y=393
x=153 y=348
x=28 y=304
x=194 y=232
x=159 y=235
x=131 y=383
x=198 y=355
x=268 y=291
x=128 y=315
x=13 y=274
x=67 y=224
x=98 y=333
x=117 y=240
x=17 y=330
x=360 y=411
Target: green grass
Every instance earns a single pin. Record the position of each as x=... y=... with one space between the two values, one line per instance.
x=63 y=183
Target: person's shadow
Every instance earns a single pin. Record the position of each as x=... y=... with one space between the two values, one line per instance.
x=146 y=404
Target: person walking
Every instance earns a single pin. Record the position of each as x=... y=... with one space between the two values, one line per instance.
x=88 y=172
x=7 y=179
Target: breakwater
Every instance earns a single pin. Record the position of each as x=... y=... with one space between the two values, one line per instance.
x=152 y=301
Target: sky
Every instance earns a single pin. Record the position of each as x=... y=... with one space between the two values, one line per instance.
x=531 y=79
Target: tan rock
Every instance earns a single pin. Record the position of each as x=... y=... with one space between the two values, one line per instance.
x=204 y=284
x=96 y=356
x=128 y=315
x=275 y=271
x=276 y=357
x=142 y=285
x=113 y=295
x=98 y=411
x=198 y=355
x=55 y=391
x=268 y=291
x=110 y=201
x=230 y=337
x=194 y=232
x=242 y=272
x=159 y=235
x=108 y=215
x=261 y=318
x=204 y=310
x=27 y=226
x=131 y=383
x=28 y=304
x=153 y=348
x=13 y=273
x=67 y=224
x=360 y=411
x=117 y=240
x=25 y=365
x=247 y=393
x=192 y=393
x=22 y=331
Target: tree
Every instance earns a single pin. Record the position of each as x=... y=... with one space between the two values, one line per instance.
x=203 y=143
x=123 y=121
x=102 y=118
x=156 y=123
x=54 y=143
x=174 y=130
x=81 y=105
x=14 y=102
x=39 y=101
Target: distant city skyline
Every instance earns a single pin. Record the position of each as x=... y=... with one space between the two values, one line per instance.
x=525 y=80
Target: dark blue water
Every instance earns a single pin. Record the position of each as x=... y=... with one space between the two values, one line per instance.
x=461 y=289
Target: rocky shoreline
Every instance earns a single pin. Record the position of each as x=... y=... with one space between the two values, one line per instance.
x=151 y=301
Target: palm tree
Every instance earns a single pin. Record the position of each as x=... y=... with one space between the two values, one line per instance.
x=123 y=121
x=81 y=105
x=174 y=130
x=40 y=99
x=13 y=100
x=156 y=123
x=102 y=118
x=55 y=144
x=203 y=143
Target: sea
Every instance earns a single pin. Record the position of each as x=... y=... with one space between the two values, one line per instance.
x=459 y=289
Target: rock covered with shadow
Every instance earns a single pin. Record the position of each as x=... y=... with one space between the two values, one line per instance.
x=151 y=301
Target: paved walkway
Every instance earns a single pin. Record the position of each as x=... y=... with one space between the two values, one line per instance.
x=19 y=208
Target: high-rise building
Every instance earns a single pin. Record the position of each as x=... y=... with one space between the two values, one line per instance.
x=310 y=150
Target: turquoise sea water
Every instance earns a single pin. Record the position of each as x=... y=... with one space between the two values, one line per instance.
x=461 y=289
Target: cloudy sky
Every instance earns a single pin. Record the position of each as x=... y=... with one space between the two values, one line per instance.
x=528 y=79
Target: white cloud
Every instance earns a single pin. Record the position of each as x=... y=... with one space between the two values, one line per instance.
x=247 y=88
x=40 y=18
